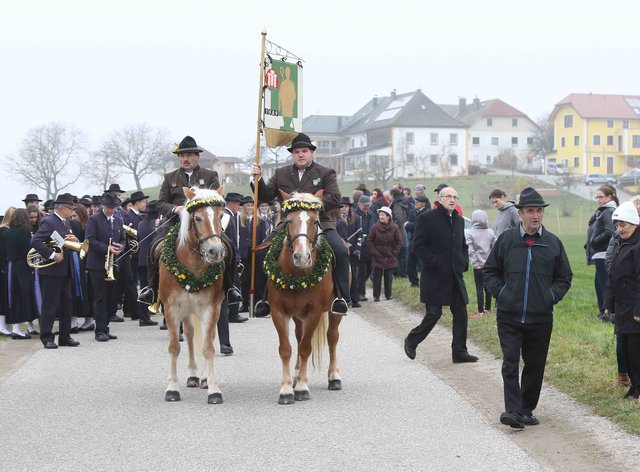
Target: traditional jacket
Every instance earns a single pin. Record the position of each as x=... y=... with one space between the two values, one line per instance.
x=99 y=230
x=48 y=225
x=171 y=194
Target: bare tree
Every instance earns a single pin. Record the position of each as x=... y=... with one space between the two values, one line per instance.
x=543 y=138
x=49 y=158
x=138 y=150
x=102 y=169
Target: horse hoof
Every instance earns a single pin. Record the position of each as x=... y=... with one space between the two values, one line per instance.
x=204 y=383
x=335 y=384
x=172 y=396
x=301 y=395
x=286 y=399
x=214 y=399
x=193 y=382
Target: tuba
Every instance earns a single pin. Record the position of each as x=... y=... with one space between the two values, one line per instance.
x=35 y=260
x=132 y=235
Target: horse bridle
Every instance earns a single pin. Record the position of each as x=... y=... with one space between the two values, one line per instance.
x=199 y=240
x=314 y=242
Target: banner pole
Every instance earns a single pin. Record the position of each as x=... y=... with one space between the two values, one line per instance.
x=252 y=289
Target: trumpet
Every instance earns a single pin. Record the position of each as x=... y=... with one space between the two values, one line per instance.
x=108 y=264
x=35 y=260
x=132 y=235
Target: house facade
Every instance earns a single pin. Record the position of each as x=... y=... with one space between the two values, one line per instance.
x=596 y=133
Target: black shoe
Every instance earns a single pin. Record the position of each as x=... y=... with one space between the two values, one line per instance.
x=74 y=330
x=512 y=419
x=234 y=296
x=71 y=343
x=376 y=299
x=33 y=332
x=243 y=309
x=356 y=305
x=116 y=319
x=50 y=345
x=20 y=336
x=414 y=284
x=410 y=351
x=362 y=298
x=146 y=296
x=530 y=420
x=237 y=319
x=163 y=327
x=464 y=357
x=262 y=309
x=91 y=327
x=112 y=336
x=389 y=298
x=102 y=337
x=226 y=350
x=147 y=323
x=134 y=317
x=180 y=337
x=339 y=307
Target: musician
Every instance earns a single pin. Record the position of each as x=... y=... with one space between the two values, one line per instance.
x=31 y=200
x=232 y=209
x=55 y=281
x=146 y=229
x=171 y=204
x=102 y=228
x=305 y=175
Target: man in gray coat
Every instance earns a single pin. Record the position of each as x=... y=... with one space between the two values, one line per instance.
x=508 y=216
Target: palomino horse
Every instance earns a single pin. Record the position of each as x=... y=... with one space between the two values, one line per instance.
x=191 y=273
x=298 y=267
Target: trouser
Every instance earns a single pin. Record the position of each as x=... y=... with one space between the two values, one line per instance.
x=354 y=289
x=401 y=269
x=364 y=272
x=56 y=297
x=378 y=274
x=631 y=351
x=458 y=309
x=532 y=341
x=413 y=268
x=482 y=293
x=142 y=308
x=223 y=324
x=622 y=364
x=600 y=282
x=126 y=285
x=104 y=300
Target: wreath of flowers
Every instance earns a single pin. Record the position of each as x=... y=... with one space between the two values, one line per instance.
x=297 y=205
x=296 y=283
x=187 y=279
x=193 y=205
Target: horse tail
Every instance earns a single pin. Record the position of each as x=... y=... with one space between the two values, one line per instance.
x=197 y=341
x=319 y=340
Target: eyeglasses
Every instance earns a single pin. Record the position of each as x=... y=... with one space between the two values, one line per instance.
x=600 y=197
x=451 y=197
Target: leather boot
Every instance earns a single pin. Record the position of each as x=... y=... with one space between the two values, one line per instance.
x=623 y=380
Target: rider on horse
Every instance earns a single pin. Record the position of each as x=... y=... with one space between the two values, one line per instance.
x=171 y=204
x=306 y=176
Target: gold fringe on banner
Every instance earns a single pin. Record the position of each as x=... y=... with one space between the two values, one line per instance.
x=276 y=137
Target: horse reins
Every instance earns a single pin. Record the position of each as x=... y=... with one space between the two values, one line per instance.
x=314 y=242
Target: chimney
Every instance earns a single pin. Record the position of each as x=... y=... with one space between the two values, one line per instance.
x=462 y=105
x=476 y=103
x=375 y=100
x=393 y=93
x=340 y=122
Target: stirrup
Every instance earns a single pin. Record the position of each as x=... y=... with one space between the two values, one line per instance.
x=233 y=296
x=143 y=296
x=262 y=309
x=339 y=307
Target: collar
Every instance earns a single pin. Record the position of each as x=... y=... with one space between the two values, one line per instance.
x=135 y=212
x=61 y=218
x=523 y=232
x=109 y=218
x=303 y=169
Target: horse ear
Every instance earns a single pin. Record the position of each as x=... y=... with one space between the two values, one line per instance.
x=188 y=193
x=220 y=190
x=284 y=195
x=320 y=193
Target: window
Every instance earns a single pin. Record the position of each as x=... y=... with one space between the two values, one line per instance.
x=411 y=159
x=514 y=122
x=530 y=141
x=609 y=123
x=596 y=140
x=453 y=139
x=489 y=121
x=410 y=137
x=596 y=161
x=433 y=159
x=475 y=141
x=625 y=124
x=434 y=138
x=609 y=140
x=563 y=142
x=576 y=140
x=453 y=159
x=568 y=121
x=635 y=141
x=514 y=141
x=576 y=162
x=495 y=141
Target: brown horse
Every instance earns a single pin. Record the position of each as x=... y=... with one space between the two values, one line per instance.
x=301 y=287
x=191 y=273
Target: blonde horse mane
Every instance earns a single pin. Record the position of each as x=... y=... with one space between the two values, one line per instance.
x=185 y=216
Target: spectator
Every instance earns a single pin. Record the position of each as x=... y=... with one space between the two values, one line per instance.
x=508 y=216
x=378 y=199
x=4 y=226
x=400 y=209
x=420 y=190
x=349 y=228
x=413 y=261
x=367 y=219
x=480 y=240
x=437 y=191
x=384 y=243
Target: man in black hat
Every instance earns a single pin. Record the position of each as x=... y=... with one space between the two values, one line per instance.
x=55 y=281
x=115 y=188
x=231 y=227
x=305 y=175
x=528 y=272
x=31 y=200
x=171 y=203
x=96 y=204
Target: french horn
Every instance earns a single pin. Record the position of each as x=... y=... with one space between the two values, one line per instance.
x=35 y=260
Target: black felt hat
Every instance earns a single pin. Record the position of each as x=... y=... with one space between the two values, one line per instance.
x=85 y=201
x=188 y=144
x=31 y=197
x=96 y=200
x=345 y=201
x=301 y=141
x=247 y=199
x=530 y=198
x=137 y=196
x=440 y=187
x=110 y=200
x=233 y=197
x=114 y=188
x=65 y=199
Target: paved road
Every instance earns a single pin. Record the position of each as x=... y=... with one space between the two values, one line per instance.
x=101 y=407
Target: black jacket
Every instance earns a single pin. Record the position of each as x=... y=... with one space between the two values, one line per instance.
x=527 y=281
x=600 y=231
x=623 y=288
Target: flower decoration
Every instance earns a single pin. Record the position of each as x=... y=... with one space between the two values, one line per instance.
x=296 y=205
x=291 y=282
x=186 y=278
x=196 y=203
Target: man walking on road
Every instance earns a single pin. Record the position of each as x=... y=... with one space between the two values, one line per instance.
x=528 y=272
x=440 y=243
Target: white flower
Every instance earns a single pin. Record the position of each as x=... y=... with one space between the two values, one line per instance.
x=187 y=287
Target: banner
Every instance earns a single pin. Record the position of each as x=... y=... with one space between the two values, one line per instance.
x=282 y=111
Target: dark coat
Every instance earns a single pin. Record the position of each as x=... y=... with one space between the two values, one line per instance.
x=171 y=194
x=145 y=228
x=384 y=243
x=133 y=219
x=367 y=220
x=316 y=177
x=439 y=242
x=600 y=231
x=232 y=232
x=17 y=242
x=98 y=232
x=48 y=225
x=246 y=237
x=623 y=288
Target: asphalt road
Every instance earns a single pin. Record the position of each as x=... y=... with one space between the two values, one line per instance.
x=101 y=406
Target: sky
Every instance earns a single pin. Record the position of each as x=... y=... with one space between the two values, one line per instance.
x=192 y=66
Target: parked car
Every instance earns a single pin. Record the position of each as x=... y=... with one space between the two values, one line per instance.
x=555 y=169
x=532 y=168
x=599 y=179
x=477 y=169
x=630 y=178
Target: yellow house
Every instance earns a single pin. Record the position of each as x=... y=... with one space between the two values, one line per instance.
x=596 y=133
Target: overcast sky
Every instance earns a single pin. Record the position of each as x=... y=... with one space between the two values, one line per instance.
x=192 y=66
